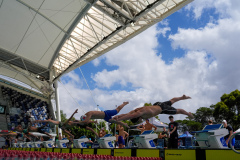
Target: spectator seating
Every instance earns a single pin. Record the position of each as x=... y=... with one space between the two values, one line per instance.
x=29 y=109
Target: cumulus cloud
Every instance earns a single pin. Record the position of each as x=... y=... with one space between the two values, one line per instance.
x=206 y=70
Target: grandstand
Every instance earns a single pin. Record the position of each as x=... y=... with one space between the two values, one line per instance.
x=22 y=106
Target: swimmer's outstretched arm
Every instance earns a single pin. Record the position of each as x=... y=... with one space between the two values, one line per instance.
x=119 y=122
x=118 y=116
x=82 y=122
x=47 y=121
x=76 y=111
x=90 y=129
x=122 y=115
x=68 y=133
x=131 y=115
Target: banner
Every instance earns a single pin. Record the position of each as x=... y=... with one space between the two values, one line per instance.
x=179 y=154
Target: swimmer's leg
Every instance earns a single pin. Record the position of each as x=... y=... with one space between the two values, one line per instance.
x=175 y=99
x=182 y=111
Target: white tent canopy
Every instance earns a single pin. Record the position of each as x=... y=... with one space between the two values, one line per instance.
x=40 y=40
x=153 y=121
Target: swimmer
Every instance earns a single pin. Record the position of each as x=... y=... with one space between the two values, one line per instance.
x=32 y=129
x=149 y=126
x=122 y=136
x=61 y=124
x=19 y=128
x=141 y=128
x=14 y=134
x=102 y=132
x=147 y=112
x=106 y=115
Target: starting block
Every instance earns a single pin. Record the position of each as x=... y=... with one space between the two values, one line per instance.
x=29 y=144
x=212 y=136
x=22 y=145
x=15 y=145
x=37 y=144
x=62 y=143
x=80 y=143
x=145 y=140
x=107 y=141
x=49 y=143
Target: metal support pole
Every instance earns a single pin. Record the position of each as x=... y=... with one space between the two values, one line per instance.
x=57 y=106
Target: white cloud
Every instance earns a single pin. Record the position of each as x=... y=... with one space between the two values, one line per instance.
x=206 y=71
x=164 y=30
x=96 y=62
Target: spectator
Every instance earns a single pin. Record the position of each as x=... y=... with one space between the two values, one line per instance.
x=230 y=132
x=172 y=129
x=102 y=132
x=122 y=136
x=141 y=128
x=149 y=126
x=164 y=136
x=210 y=122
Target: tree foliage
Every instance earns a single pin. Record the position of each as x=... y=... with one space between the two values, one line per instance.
x=203 y=115
x=188 y=125
x=229 y=109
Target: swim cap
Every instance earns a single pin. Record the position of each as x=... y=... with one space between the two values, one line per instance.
x=83 y=117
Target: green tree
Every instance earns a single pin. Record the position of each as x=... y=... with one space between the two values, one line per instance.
x=188 y=125
x=228 y=108
x=203 y=114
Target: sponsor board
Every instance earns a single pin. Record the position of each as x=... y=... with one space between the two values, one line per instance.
x=88 y=151
x=179 y=154
x=123 y=152
x=74 y=150
x=147 y=153
x=104 y=151
x=64 y=150
x=58 y=150
x=43 y=149
x=221 y=154
x=49 y=150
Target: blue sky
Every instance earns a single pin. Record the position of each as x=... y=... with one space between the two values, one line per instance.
x=195 y=51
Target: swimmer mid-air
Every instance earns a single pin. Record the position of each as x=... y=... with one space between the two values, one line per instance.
x=60 y=124
x=106 y=115
x=147 y=112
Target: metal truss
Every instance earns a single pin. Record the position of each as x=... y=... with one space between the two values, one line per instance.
x=108 y=24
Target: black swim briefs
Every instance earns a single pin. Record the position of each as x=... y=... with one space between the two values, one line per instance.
x=40 y=129
x=166 y=107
